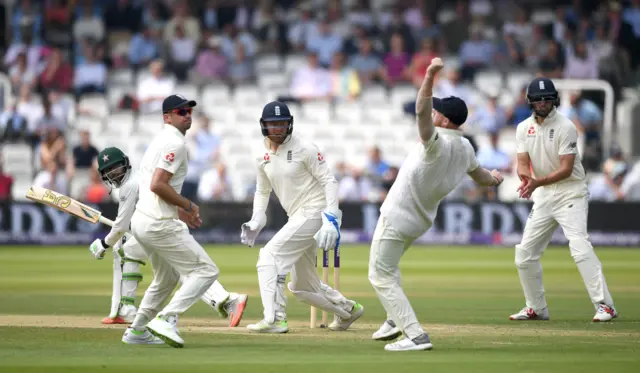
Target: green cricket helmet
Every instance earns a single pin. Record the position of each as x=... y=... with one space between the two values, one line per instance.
x=114 y=166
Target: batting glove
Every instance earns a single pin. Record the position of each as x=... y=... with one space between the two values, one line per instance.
x=328 y=237
x=252 y=228
x=98 y=248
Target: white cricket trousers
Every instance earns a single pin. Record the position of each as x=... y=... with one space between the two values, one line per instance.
x=134 y=255
x=172 y=252
x=294 y=250
x=566 y=205
x=387 y=247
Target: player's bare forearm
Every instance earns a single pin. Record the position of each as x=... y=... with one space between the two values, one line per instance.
x=483 y=177
x=424 y=101
x=563 y=172
x=170 y=196
x=160 y=186
x=424 y=106
x=524 y=166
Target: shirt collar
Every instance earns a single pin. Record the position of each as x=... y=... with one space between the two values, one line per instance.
x=174 y=130
x=282 y=146
x=449 y=131
x=549 y=118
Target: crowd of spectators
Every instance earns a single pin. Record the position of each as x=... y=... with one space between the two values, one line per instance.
x=61 y=51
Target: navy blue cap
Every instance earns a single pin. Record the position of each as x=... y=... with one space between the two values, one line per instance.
x=176 y=102
x=453 y=108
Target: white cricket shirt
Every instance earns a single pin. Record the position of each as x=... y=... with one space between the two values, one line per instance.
x=430 y=172
x=127 y=199
x=298 y=173
x=546 y=142
x=167 y=151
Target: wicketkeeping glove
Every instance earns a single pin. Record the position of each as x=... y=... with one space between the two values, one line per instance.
x=328 y=237
x=252 y=228
x=98 y=248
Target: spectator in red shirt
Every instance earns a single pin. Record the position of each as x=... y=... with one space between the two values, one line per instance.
x=6 y=183
x=57 y=74
x=96 y=191
x=421 y=61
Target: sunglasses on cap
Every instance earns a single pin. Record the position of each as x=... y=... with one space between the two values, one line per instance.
x=182 y=111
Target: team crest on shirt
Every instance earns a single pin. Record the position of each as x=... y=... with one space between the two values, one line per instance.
x=531 y=132
x=320 y=157
x=266 y=158
x=170 y=157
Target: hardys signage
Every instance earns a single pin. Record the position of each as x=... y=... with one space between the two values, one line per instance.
x=487 y=223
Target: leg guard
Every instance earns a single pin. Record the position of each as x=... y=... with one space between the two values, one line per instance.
x=271 y=287
x=116 y=293
x=131 y=276
x=216 y=296
x=327 y=299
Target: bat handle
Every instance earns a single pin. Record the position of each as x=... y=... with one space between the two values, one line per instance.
x=106 y=221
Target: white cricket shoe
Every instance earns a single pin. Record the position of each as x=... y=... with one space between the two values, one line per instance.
x=339 y=324
x=605 y=313
x=387 y=332
x=529 y=313
x=279 y=326
x=420 y=343
x=234 y=307
x=134 y=337
x=173 y=320
x=164 y=330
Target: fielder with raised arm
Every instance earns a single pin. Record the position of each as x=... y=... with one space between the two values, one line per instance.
x=171 y=249
x=547 y=143
x=433 y=168
x=115 y=170
x=298 y=174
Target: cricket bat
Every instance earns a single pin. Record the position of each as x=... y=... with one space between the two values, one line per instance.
x=80 y=210
x=67 y=204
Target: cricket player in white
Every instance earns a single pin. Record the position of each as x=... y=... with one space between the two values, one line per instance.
x=298 y=174
x=171 y=249
x=547 y=144
x=115 y=170
x=433 y=168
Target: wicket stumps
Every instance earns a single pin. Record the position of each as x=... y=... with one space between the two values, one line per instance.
x=325 y=279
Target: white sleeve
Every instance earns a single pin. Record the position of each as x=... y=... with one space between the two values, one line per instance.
x=473 y=160
x=127 y=206
x=433 y=144
x=172 y=155
x=521 y=138
x=263 y=192
x=317 y=166
x=568 y=140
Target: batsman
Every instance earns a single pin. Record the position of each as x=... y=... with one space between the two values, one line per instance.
x=115 y=170
x=547 y=146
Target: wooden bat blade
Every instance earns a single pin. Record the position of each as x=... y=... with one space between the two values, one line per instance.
x=64 y=203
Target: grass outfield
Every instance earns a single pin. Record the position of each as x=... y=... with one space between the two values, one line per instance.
x=52 y=301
